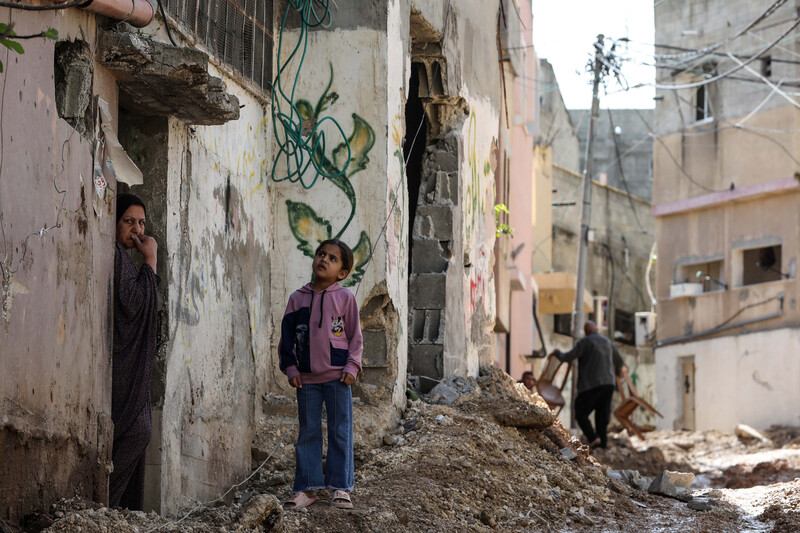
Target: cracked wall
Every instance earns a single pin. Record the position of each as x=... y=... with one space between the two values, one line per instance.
x=218 y=236
x=57 y=267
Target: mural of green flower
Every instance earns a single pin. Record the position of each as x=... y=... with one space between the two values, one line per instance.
x=306 y=225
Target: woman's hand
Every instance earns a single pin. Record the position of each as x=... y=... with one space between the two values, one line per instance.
x=347 y=379
x=296 y=382
x=148 y=247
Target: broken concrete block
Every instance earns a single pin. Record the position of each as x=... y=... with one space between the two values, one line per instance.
x=262 y=510
x=443 y=393
x=680 y=479
x=525 y=416
x=745 y=432
x=700 y=504
x=569 y=454
x=668 y=484
x=615 y=475
x=635 y=479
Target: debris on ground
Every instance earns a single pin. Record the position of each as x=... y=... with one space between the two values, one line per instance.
x=492 y=460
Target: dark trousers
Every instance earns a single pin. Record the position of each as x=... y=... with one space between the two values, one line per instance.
x=598 y=400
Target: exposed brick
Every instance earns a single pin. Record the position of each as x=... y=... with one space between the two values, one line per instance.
x=426 y=360
x=374 y=348
x=438 y=219
x=428 y=255
x=427 y=291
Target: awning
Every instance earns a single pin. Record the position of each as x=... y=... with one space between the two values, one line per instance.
x=557 y=294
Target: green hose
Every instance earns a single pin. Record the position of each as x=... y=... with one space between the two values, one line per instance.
x=298 y=150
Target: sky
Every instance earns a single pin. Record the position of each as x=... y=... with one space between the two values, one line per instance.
x=564 y=32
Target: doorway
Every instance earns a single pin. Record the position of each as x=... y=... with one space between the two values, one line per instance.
x=686 y=365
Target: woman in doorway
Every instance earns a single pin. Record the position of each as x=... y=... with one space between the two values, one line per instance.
x=135 y=326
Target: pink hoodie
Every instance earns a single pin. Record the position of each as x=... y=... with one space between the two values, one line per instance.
x=321 y=335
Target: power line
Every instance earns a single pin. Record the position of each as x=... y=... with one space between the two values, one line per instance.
x=704 y=51
x=29 y=7
x=622 y=172
x=731 y=71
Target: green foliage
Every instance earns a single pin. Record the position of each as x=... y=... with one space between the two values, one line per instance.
x=13 y=44
x=500 y=228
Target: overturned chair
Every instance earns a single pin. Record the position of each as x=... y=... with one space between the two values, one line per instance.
x=629 y=404
x=552 y=393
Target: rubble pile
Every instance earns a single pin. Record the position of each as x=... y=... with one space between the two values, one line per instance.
x=490 y=457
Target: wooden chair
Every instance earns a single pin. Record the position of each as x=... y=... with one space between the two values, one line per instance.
x=552 y=393
x=629 y=405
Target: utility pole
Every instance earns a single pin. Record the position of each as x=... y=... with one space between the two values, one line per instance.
x=586 y=216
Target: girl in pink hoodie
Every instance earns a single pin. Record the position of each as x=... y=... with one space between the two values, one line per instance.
x=320 y=353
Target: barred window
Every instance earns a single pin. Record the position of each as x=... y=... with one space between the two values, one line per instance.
x=239 y=33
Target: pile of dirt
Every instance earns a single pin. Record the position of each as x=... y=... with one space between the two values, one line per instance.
x=443 y=468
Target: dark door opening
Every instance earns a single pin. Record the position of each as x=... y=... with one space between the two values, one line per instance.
x=414 y=145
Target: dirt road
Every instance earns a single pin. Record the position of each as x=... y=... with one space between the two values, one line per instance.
x=457 y=468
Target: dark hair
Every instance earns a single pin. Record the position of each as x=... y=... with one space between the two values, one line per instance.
x=527 y=373
x=124 y=201
x=347 y=253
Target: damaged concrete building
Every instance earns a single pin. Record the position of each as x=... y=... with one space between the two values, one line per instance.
x=191 y=128
x=621 y=231
x=725 y=198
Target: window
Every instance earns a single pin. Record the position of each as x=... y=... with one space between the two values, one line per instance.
x=766 y=66
x=562 y=324
x=702 y=104
x=709 y=274
x=237 y=32
x=624 y=327
x=760 y=265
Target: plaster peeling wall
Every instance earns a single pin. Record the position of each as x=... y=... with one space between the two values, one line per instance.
x=55 y=387
x=472 y=74
x=477 y=183
x=219 y=235
x=751 y=379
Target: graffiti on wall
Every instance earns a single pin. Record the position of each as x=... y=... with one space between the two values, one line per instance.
x=476 y=191
x=308 y=227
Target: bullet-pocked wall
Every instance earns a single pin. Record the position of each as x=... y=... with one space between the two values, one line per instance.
x=56 y=262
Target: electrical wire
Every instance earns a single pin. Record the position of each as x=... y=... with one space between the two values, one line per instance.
x=410 y=150
x=248 y=478
x=29 y=7
x=302 y=150
x=622 y=172
x=166 y=22
x=705 y=51
x=743 y=309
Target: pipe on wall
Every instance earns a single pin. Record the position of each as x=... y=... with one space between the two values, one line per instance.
x=138 y=13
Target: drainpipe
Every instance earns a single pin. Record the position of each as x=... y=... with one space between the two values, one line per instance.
x=138 y=13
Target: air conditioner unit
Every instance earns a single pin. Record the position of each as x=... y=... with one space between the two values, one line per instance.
x=676 y=290
x=645 y=328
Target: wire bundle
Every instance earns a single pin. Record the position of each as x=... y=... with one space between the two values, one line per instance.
x=300 y=149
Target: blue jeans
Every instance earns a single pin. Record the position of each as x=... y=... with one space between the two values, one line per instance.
x=339 y=474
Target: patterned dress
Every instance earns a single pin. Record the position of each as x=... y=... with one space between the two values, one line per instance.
x=135 y=327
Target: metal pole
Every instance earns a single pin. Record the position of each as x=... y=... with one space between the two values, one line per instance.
x=586 y=217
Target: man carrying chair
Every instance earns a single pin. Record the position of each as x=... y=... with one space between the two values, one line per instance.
x=599 y=365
